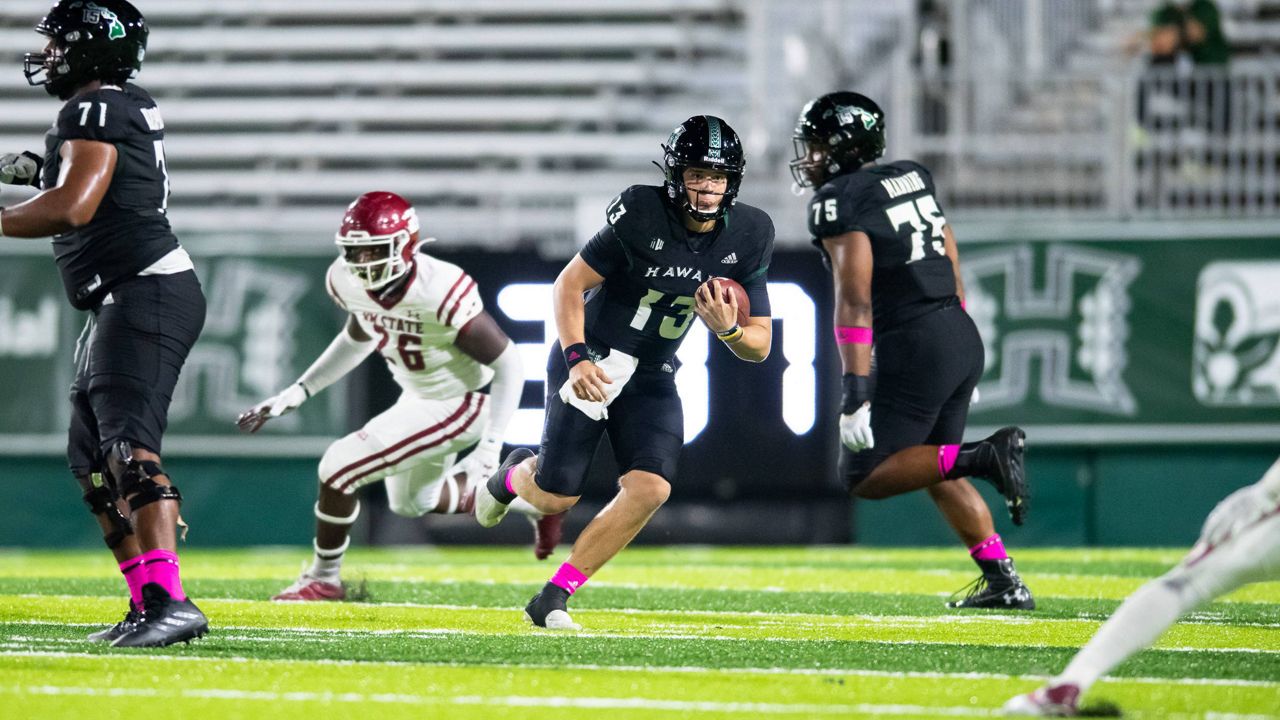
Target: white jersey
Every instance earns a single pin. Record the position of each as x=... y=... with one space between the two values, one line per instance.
x=416 y=331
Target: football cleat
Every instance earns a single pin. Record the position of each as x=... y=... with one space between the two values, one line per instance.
x=1002 y=467
x=310 y=589
x=165 y=621
x=550 y=609
x=547 y=531
x=1048 y=701
x=999 y=588
x=489 y=510
x=108 y=635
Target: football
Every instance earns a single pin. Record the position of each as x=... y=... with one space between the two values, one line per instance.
x=728 y=287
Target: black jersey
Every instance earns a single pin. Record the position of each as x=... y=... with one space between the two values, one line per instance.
x=652 y=265
x=129 y=231
x=894 y=204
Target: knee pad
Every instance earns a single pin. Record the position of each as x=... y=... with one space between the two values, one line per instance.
x=136 y=484
x=101 y=500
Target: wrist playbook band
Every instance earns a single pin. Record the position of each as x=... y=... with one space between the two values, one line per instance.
x=852 y=335
x=732 y=335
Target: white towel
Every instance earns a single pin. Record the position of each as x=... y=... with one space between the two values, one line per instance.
x=619 y=366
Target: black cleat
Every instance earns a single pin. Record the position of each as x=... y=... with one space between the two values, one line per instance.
x=550 y=609
x=108 y=635
x=1001 y=465
x=165 y=621
x=998 y=588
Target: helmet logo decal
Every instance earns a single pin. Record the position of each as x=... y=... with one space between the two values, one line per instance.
x=714 y=142
x=846 y=114
x=93 y=14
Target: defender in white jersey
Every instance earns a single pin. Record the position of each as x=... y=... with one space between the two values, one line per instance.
x=1239 y=544
x=424 y=316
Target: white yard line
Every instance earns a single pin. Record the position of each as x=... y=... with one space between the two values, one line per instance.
x=652 y=670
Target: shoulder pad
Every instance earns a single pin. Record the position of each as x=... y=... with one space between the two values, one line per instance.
x=105 y=115
x=635 y=202
x=834 y=209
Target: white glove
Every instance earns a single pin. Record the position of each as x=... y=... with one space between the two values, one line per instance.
x=478 y=466
x=975 y=397
x=283 y=403
x=1238 y=511
x=855 y=429
x=20 y=169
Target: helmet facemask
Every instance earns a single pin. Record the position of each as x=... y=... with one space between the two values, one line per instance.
x=377 y=260
x=679 y=192
x=811 y=166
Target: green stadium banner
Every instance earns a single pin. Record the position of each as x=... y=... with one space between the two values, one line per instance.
x=1129 y=342
x=268 y=318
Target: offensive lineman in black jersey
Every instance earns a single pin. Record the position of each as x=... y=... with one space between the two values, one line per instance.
x=105 y=188
x=897 y=275
x=645 y=275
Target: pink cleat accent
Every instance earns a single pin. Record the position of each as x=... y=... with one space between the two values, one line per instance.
x=547 y=531
x=309 y=589
x=1048 y=701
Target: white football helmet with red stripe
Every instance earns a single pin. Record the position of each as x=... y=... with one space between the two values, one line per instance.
x=378 y=238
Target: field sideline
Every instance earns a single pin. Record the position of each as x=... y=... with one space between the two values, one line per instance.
x=669 y=632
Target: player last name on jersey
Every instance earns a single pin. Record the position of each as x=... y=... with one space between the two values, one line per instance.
x=391 y=322
x=909 y=183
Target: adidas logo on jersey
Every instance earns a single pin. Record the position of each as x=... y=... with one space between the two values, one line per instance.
x=656 y=243
x=730 y=259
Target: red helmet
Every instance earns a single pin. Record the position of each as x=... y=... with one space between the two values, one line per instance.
x=378 y=238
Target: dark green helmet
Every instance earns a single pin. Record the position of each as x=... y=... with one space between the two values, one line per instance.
x=702 y=141
x=836 y=134
x=101 y=40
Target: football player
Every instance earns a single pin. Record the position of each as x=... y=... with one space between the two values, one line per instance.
x=645 y=275
x=1239 y=544
x=896 y=271
x=425 y=318
x=105 y=190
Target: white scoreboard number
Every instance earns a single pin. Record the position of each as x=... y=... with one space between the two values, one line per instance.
x=531 y=302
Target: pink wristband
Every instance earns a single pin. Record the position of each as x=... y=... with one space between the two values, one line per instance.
x=846 y=335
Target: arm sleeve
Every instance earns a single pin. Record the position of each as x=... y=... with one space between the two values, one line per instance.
x=504 y=396
x=341 y=357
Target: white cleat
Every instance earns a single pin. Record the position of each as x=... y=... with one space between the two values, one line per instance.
x=489 y=511
x=557 y=620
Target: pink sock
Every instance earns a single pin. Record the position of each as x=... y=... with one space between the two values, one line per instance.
x=568 y=577
x=162 y=569
x=135 y=576
x=507 y=479
x=990 y=549
x=947 y=458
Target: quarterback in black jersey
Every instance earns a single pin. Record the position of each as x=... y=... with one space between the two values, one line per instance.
x=896 y=271
x=645 y=275
x=104 y=192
